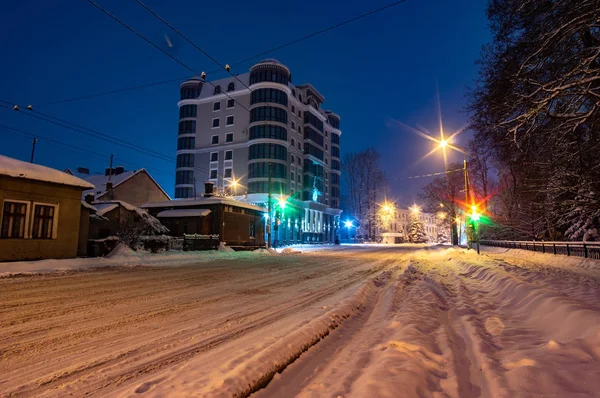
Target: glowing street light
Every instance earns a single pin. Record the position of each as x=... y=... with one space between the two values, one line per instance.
x=349 y=224
x=415 y=209
x=282 y=202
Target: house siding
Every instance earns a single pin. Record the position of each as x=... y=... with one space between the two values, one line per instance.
x=69 y=213
x=136 y=190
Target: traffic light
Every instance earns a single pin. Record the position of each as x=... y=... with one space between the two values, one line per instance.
x=474 y=216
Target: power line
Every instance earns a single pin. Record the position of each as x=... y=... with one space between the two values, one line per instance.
x=41 y=137
x=427 y=175
x=255 y=56
x=106 y=137
x=141 y=36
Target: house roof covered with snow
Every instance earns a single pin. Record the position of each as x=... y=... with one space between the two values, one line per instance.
x=29 y=171
x=100 y=180
x=201 y=201
x=183 y=213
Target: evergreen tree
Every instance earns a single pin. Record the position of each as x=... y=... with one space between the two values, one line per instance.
x=416 y=230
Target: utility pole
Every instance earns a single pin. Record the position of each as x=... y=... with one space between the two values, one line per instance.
x=33 y=148
x=269 y=219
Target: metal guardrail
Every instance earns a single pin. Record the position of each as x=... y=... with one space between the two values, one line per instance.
x=578 y=249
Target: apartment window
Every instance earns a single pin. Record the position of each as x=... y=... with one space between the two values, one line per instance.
x=293 y=177
x=213 y=174
x=292 y=158
x=187 y=111
x=326 y=134
x=229 y=137
x=217 y=90
x=299 y=146
x=185 y=160
x=293 y=109
x=216 y=106
x=252 y=230
x=293 y=125
x=299 y=179
x=300 y=97
x=229 y=121
x=184 y=177
x=326 y=147
x=44 y=221
x=187 y=127
x=228 y=155
x=14 y=220
x=230 y=103
x=293 y=142
x=299 y=130
x=228 y=173
x=214 y=140
x=231 y=87
x=299 y=113
x=216 y=122
x=214 y=156
x=326 y=161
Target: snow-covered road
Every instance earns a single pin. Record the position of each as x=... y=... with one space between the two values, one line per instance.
x=363 y=321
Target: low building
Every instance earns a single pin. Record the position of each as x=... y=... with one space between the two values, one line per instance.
x=41 y=211
x=134 y=186
x=400 y=226
x=238 y=224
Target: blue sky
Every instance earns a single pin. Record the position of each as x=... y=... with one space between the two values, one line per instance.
x=372 y=72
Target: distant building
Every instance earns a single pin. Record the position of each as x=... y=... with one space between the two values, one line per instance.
x=262 y=134
x=237 y=223
x=401 y=223
x=41 y=212
x=134 y=186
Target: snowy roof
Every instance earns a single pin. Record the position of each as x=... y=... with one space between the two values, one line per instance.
x=19 y=169
x=183 y=213
x=104 y=208
x=100 y=180
x=88 y=206
x=201 y=201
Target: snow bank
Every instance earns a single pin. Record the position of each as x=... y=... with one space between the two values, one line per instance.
x=123 y=256
x=223 y=248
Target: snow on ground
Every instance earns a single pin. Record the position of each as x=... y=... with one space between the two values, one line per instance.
x=123 y=256
x=356 y=321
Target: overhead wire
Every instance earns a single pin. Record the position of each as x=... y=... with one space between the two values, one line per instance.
x=252 y=57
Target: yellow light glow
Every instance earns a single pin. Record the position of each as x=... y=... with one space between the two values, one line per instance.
x=234 y=183
x=443 y=143
x=387 y=208
x=415 y=209
x=474 y=208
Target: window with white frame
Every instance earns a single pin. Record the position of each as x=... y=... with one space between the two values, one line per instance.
x=15 y=217
x=229 y=121
x=229 y=137
x=214 y=156
x=216 y=123
x=230 y=103
x=214 y=140
x=45 y=218
x=217 y=106
x=213 y=174
x=228 y=173
x=228 y=155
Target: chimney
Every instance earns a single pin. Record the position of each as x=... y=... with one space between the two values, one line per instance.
x=209 y=187
x=109 y=171
x=83 y=170
x=89 y=198
x=109 y=186
x=119 y=170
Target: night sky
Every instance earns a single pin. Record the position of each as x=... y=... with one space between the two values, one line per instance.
x=372 y=72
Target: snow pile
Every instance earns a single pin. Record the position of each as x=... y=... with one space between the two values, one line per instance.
x=289 y=250
x=224 y=248
x=121 y=250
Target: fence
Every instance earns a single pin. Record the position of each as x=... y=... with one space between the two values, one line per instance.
x=200 y=242
x=579 y=249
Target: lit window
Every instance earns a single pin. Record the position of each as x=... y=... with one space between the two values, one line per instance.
x=216 y=106
x=229 y=137
x=229 y=121
x=216 y=122
x=14 y=220
x=215 y=139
